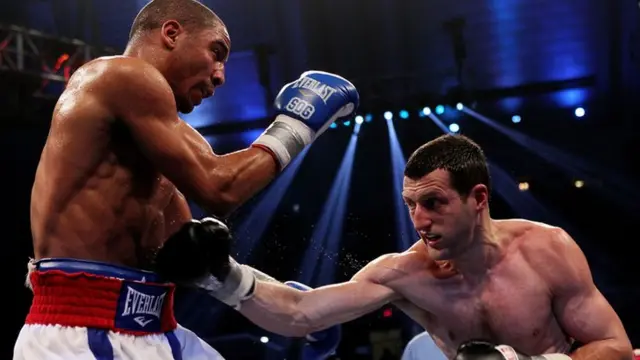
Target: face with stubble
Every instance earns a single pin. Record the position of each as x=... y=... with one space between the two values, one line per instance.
x=195 y=64
x=445 y=219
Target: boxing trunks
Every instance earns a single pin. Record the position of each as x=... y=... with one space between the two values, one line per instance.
x=91 y=310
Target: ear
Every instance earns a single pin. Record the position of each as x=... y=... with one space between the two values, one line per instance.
x=481 y=195
x=170 y=31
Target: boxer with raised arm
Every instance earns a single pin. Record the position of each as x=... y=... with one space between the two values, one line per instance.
x=483 y=288
x=108 y=188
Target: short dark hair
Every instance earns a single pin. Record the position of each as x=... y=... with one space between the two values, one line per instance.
x=462 y=158
x=189 y=13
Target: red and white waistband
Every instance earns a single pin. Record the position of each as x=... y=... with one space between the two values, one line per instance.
x=89 y=294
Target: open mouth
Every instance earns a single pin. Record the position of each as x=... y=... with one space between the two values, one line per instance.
x=432 y=240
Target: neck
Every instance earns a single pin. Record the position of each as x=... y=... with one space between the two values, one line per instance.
x=138 y=48
x=482 y=253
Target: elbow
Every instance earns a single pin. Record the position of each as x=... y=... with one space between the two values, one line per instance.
x=614 y=348
x=290 y=324
x=301 y=323
x=293 y=333
x=300 y=326
x=623 y=350
x=220 y=199
x=220 y=205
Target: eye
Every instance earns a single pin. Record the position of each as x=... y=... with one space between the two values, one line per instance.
x=220 y=52
x=430 y=203
x=410 y=204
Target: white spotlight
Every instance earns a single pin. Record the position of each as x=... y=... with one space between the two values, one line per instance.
x=426 y=111
x=359 y=119
x=264 y=339
x=388 y=115
x=459 y=106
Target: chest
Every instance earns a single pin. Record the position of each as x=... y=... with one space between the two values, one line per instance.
x=511 y=305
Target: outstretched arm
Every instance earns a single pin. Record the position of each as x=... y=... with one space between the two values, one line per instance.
x=582 y=311
x=290 y=312
x=201 y=248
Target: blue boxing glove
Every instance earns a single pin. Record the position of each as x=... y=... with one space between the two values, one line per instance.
x=306 y=108
x=320 y=344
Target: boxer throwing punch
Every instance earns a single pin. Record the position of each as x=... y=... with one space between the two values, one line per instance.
x=484 y=289
x=108 y=188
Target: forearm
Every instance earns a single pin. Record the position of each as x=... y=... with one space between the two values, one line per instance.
x=276 y=314
x=610 y=349
x=238 y=176
x=290 y=312
x=274 y=307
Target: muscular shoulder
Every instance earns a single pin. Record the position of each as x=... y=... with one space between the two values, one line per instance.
x=122 y=79
x=536 y=239
x=387 y=267
x=116 y=68
x=134 y=72
x=549 y=250
x=395 y=266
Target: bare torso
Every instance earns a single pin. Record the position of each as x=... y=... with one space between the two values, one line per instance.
x=96 y=196
x=511 y=304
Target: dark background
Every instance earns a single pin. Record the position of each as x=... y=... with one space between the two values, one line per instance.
x=538 y=59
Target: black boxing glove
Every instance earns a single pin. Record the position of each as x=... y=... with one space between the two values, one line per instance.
x=483 y=350
x=198 y=256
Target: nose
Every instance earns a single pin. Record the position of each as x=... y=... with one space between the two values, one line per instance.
x=421 y=218
x=218 y=76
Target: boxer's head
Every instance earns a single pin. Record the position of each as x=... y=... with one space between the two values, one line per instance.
x=446 y=188
x=188 y=43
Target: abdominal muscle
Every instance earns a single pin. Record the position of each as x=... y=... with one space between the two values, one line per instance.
x=119 y=215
